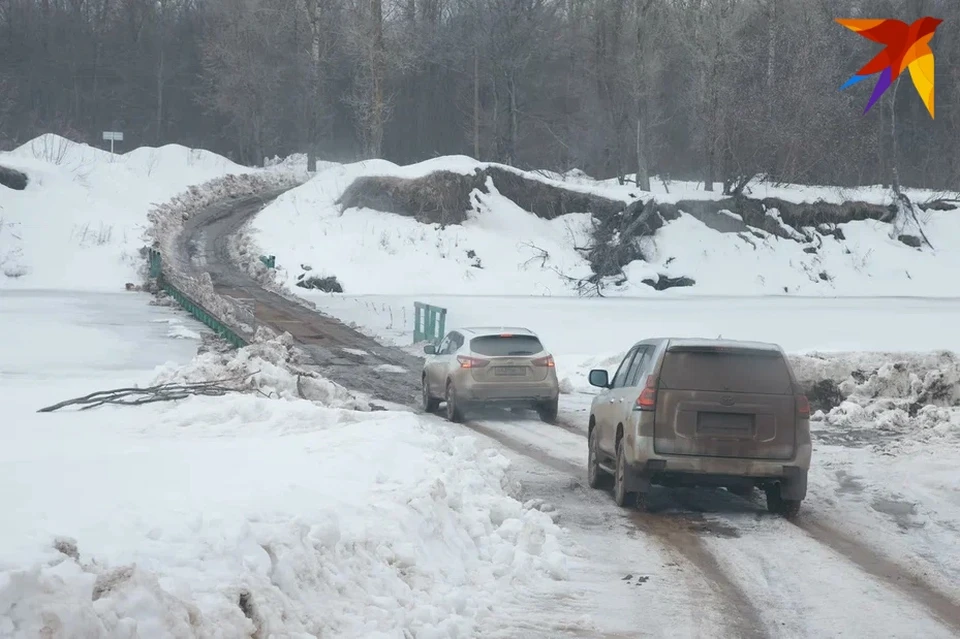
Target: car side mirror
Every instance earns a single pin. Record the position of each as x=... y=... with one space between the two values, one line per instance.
x=430 y=349
x=599 y=377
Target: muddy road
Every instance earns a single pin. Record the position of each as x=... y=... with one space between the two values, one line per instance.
x=736 y=572
x=335 y=350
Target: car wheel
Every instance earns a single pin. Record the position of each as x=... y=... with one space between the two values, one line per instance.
x=548 y=411
x=454 y=412
x=620 y=494
x=787 y=508
x=596 y=476
x=430 y=404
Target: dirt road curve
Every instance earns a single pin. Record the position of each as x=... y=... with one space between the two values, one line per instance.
x=337 y=351
x=357 y=362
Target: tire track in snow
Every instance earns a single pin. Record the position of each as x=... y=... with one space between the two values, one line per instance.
x=680 y=515
x=743 y=618
x=900 y=578
x=937 y=603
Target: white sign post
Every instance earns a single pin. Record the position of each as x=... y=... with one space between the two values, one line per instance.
x=113 y=136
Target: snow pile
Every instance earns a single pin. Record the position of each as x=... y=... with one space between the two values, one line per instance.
x=866 y=262
x=79 y=223
x=503 y=249
x=500 y=249
x=293 y=163
x=268 y=368
x=244 y=516
x=179 y=330
x=295 y=546
x=896 y=401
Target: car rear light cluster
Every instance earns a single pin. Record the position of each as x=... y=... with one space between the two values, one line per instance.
x=471 y=362
x=545 y=361
x=648 y=396
x=803 y=406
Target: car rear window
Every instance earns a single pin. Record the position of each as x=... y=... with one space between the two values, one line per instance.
x=500 y=346
x=731 y=372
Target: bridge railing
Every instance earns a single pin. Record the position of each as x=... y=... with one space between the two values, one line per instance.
x=429 y=322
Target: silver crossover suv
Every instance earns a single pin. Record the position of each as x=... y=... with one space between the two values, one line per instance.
x=490 y=366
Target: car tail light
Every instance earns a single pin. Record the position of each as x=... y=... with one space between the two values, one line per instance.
x=648 y=396
x=545 y=361
x=803 y=406
x=471 y=362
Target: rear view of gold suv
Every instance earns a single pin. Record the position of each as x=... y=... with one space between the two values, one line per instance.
x=694 y=412
x=473 y=367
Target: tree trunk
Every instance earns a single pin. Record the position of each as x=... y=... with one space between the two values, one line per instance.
x=313 y=127
x=771 y=43
x=377 y=63
x=476 y=103
x=514 y=134
x=642 y=177
x=894 y=155
x=159 y=132
x=711 y=138
x=643 y=172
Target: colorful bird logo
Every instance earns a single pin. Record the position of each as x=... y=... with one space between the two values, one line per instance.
x=907 y=47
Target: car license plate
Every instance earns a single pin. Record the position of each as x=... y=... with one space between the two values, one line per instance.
x=510 y=371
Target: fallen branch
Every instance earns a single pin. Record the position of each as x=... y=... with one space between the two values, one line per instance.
x=542 y=255
x=160 y=393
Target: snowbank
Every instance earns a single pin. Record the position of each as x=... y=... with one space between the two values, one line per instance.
x=166 y=224
x=866 y=263
x=253 y=516
x=895 y=402
x=676 y=190
x=499 y=249
x=502 y=249
x=80 y=221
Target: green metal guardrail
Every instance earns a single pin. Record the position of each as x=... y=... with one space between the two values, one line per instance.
x=429 y=323
x=192 y=307
x=155 y=269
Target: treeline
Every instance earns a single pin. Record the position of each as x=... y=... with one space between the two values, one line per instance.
x=715 y=90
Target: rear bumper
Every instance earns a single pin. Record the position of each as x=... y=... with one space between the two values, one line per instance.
x=508 y=393
x=646 y=467
x=643 y=454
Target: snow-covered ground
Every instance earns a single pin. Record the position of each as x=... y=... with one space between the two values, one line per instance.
x=216 y=515
x=80 y=222
x=262 y=513
x=503 y=250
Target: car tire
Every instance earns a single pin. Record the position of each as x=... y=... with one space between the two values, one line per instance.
x=454 y=412
x=787 y=508
x=596 y=476
x=549 y=410
x=430 y=404
x=621 y=496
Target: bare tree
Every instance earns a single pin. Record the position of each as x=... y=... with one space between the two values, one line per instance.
x=717 y=90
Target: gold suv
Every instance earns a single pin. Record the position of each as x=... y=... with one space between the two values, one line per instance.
x=701 y=412
x=490 y=366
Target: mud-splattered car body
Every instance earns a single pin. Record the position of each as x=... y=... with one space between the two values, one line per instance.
x=696 y=412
